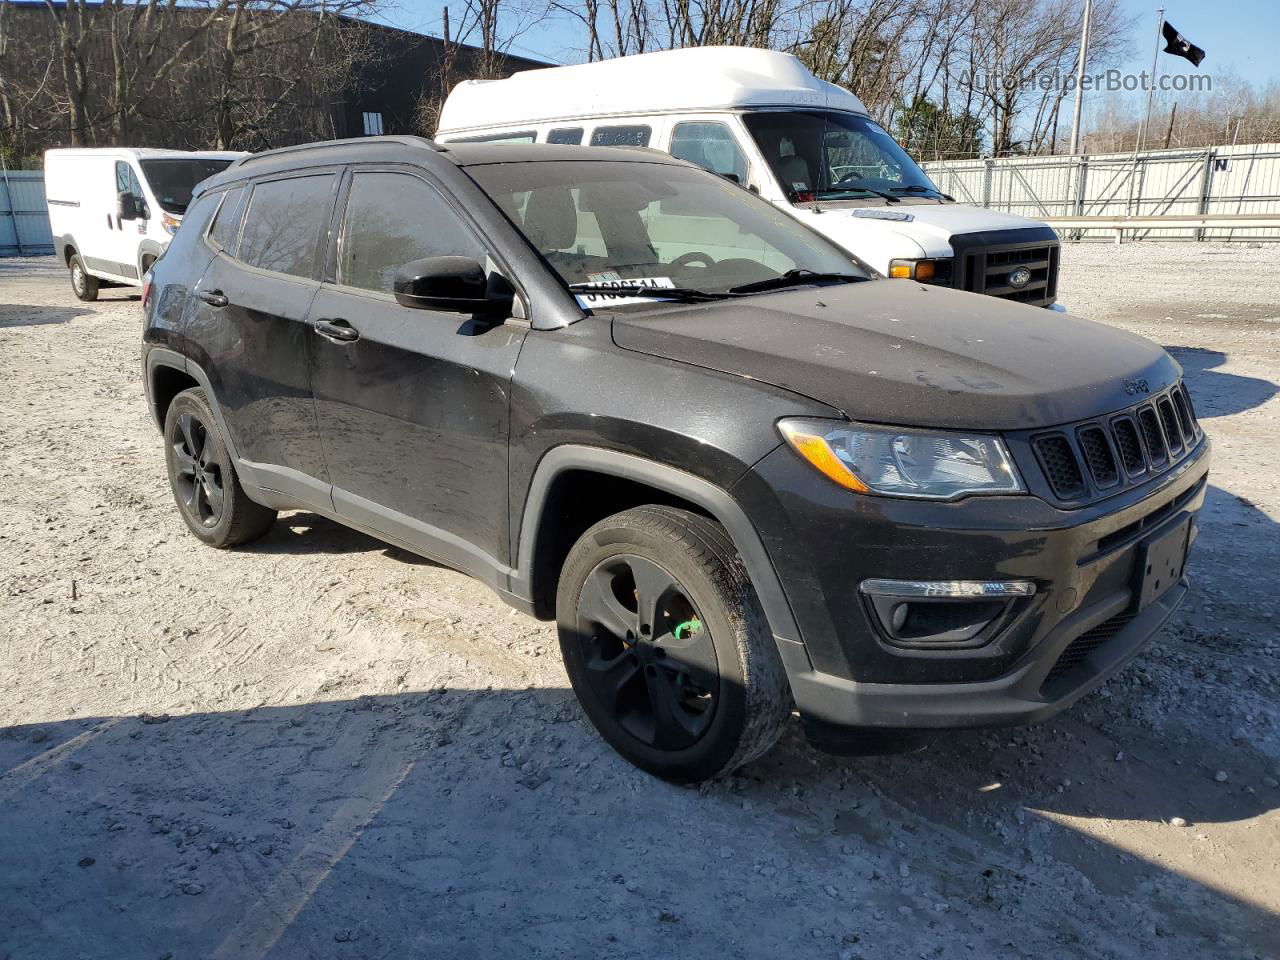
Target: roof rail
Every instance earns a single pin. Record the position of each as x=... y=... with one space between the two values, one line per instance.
x=404 y=140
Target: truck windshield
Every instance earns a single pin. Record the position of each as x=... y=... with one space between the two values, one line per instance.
x=831 y=155
x=173 y=180
x=659 y=225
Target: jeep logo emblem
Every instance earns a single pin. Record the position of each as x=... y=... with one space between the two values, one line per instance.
x=1140 y=385
x=1019 y=278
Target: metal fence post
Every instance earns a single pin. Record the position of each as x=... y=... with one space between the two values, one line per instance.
x=987 y=174
x=1206 y=181
x=12 y=209
x=1082 y=185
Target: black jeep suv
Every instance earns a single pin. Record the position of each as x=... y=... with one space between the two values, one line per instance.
x=738 y=469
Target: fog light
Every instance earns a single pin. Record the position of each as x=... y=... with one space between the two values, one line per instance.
x=943 y=613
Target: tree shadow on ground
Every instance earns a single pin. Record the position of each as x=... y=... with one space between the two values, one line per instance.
x=460 y=822
x=35 y=315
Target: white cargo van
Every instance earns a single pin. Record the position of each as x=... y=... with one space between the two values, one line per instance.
x=113 y=210
x=761 y=119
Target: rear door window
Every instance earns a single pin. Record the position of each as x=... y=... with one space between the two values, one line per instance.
x=391 y=219
x=284 y=224
x=621 y=136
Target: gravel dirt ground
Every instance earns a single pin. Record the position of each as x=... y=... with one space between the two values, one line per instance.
x=320 y=746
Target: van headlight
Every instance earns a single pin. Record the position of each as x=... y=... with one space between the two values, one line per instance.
x=933 y=465
x=170 y=223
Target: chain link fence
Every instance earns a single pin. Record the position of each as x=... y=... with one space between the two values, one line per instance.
x=1215 y=180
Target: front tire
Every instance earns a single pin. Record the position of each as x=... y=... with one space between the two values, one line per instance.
x=203 y=480
x=667 y=647
x=83 y=285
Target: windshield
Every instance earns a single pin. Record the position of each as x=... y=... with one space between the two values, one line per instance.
x=828 y=155
x=173 y=180
x=657 y=225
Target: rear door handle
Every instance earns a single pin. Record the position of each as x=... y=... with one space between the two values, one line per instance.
x=337 y=330
x=215 y=298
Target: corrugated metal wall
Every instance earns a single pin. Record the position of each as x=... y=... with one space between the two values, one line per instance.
x=24 y=218
x=1239 y=179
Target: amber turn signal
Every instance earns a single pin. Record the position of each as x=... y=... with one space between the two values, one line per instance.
x=818 y=452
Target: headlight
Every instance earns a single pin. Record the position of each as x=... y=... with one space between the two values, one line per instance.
x=904 y=463
x=170 y=223
x=925 y=271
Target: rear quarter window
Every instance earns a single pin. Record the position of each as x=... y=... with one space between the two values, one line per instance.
x=226 y=223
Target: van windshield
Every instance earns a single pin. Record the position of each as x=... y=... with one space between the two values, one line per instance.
x=830 y=155
x=172 y=180
x=659 y=225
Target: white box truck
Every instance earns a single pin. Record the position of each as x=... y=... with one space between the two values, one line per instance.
x=760 y=118
x=112 y=210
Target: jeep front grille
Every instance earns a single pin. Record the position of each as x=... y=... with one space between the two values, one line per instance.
x=1120 y=451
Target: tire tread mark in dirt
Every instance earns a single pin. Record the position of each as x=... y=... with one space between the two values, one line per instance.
x=26 y=773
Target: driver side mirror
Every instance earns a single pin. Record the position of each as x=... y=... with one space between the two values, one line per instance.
x=128 y=207
x=455 y=285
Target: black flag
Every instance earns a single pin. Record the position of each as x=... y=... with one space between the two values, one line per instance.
x=1180 y=46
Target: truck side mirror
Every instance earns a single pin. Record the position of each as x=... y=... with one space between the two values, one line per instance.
x=127 y=206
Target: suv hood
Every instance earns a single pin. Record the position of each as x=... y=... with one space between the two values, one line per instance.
x=896 y=352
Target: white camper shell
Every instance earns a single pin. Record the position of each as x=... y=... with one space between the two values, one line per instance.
x=112 y=210
x=760 y=118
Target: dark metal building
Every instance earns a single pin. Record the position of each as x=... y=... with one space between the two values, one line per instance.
x=322 y=77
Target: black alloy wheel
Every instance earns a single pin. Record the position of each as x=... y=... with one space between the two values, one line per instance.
x=649 y=657
x=198 y=482
x=210 y=498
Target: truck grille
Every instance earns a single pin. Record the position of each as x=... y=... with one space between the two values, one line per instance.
x=984 y=266
x=1119 y=451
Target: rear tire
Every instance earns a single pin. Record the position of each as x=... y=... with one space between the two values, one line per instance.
x=203 y=480
x=83 y=285
x=667 y=647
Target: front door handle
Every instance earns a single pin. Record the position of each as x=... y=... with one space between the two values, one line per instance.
x=337 y=330
x=215 y=298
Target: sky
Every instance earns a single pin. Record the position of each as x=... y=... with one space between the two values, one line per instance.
x=1235 y=33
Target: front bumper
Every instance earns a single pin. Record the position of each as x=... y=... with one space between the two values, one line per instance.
x=1025 y=694
x=1080 y=627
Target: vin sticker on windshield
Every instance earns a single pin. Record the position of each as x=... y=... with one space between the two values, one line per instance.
x=622 y=296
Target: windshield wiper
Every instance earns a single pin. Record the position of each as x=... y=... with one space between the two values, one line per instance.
x=795 y=278
x=837 y=188
x=680 y=294
x=918 y=188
